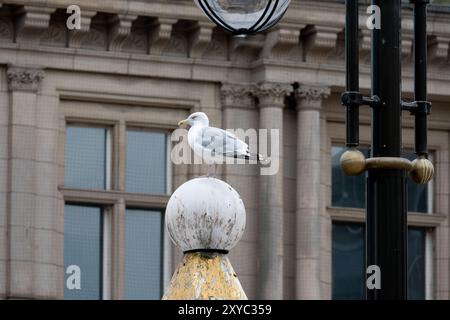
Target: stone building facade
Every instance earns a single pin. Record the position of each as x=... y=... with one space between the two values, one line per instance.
x=131 y=72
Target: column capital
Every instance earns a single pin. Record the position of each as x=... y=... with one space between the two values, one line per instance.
x=272 y=94
x=310 y=96
x=234 y=95
x=24 y=78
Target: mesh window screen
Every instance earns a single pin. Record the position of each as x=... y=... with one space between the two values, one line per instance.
x=143 y=245
x=416 y=264
x=85 y=157
x=146 y=162
x=83 y=249
x=348 y=261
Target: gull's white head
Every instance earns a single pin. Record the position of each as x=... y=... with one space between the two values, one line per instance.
x=195 y=119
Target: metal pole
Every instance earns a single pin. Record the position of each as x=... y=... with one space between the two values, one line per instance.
x=352 y=67
x=420 y=73
x=386 y=224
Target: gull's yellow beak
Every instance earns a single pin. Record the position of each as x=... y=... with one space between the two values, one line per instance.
x=183 y=123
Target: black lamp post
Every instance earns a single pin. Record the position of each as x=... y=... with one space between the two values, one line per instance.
x=386 y=236
x=386 y=220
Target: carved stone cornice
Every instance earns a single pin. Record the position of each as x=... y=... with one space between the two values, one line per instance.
x=272 y=95
x=319 y=42
x=237 y=95
x=200 y=39
x=439 y=50
x=24 y=79
x=120 y=31
x=160 y=34
x=76 y=36
x=281 y=40
x=31 y=23
x=246 y=47
x=310 y=96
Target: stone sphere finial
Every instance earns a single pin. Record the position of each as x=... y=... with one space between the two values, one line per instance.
x=205 y=214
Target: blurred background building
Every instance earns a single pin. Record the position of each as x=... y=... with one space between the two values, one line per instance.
x=85 y=123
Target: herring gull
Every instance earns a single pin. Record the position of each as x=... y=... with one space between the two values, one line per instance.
x=214 y=145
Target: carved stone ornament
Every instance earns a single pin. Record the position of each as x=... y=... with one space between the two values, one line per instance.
x=311 y=96
x=24 y=79
x=272 y=94
x=237 y=95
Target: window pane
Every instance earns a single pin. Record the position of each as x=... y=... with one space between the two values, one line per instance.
x=82 y=248
x=85 y=157
x=350 y=192
x=143 y=254
x=348 y=262
x=348 y=256
x=346 y=191
x=146 y=162
x=416 y=264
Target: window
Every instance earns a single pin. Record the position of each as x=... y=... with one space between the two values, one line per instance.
x=104 y=195
x=143 y=244
x=350 y=192
x=348 y=261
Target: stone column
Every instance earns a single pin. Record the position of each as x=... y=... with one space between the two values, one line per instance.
x=23 y=86
x=309 y=101
x=271 y=98
x=239 y=112
x=34 y=222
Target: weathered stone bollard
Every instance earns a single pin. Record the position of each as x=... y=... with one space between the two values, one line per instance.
x=205 y=217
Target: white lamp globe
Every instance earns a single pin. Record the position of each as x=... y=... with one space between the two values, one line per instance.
x=242 y=17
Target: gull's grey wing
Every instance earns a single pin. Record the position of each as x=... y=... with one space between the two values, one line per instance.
x=221 y=142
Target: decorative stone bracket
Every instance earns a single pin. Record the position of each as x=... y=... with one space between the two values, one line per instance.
x=120 y=31
x=31 y=23
x=280 y=41
x=319 y=42
x=160 y=34
x=200 y=38
x=76 y=36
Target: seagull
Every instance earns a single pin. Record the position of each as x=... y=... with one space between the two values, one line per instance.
x=215 y=145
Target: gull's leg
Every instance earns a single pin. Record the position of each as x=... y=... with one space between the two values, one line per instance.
x=212 y=170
